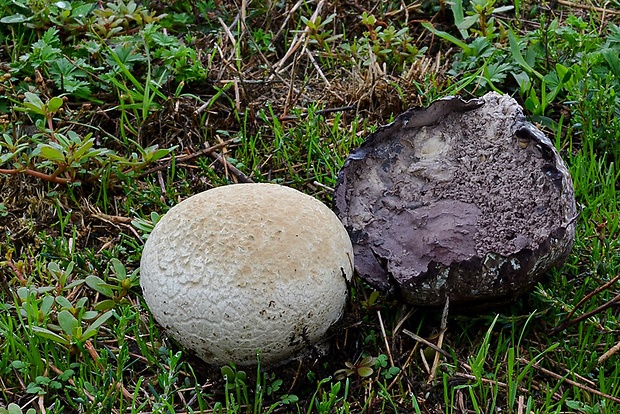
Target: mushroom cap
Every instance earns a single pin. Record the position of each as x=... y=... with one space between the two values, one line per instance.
x=247 y=267
x=463 y=200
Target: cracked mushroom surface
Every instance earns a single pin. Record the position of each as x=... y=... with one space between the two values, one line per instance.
x=463 y=200
x=247 y=267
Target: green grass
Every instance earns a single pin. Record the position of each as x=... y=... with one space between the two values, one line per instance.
x=105 y=115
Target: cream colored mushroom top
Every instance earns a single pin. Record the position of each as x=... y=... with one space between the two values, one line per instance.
x=247 y=267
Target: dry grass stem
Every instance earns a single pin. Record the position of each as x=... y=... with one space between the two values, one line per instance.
x=612 y=351
x=442 y=330
x=430 y=345
x=385 y=340
x=586 y=315
x=569 y=381
x=592 y=294
x=298 y=40
x=165 y=162
x=318 y=68
x=588 y=7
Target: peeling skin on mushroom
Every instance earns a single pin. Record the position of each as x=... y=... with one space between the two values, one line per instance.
x=463 y=199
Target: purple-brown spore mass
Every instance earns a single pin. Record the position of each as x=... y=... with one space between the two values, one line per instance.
x=463 y=199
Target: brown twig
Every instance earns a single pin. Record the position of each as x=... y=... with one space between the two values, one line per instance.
x=461 y=363
x=614 y=349
x=317 y=67
x=41 y=404
x=587 y=7
x=491 y=382
x=319 y=112
x=110 y=219
x=442 y=331
x=88 y=345
x=593 y=293
x=297 y=373
x=162 y=185
x=568 y=324
x=569 y=381
x=431 y=345
x=229 y=167
x=412 y=7
x=184 y=158
x=37 y=174
x=289 y=15
x=324 y=187
x=18 y=273
x=116 y=221
x=298 y=40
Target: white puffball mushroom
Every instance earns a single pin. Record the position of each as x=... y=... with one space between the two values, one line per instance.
x=247 y=267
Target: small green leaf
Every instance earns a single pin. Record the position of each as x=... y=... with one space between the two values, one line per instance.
x=54 y=104
x=457 y=12
x=564 y=73
x=502 y=9
x=53 y=267
x=532 y=103
x=5 y=157
x=81 y=150
x=289 y=399
x=34 y=99
x=228 y=373
x=82 y=11
x=68 y=322
x=367 y=361
x=611 y=56
x=32 y=108
x=34 y=389
x=365 y=372
x=14 y=409
x=159 y=154
x=63 y=5
x=64 y=302
x=15 y=18
x=18 y=365
x=51 y=153
x=46 y=304
x=95 y=282
x=447 y=36
x=517 y=56
x=47 y=334
x=66 y=375
x=92 y=329
x=468 y=22
x=119 y=269
x=523 y=80
x=104 y=305
x=142 y=225
x=81 y=302
x=89 y=315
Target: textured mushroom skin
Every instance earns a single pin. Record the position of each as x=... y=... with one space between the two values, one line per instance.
x=464 y=199
x=246 y=267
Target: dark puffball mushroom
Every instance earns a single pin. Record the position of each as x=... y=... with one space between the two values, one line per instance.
x=463 y=199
